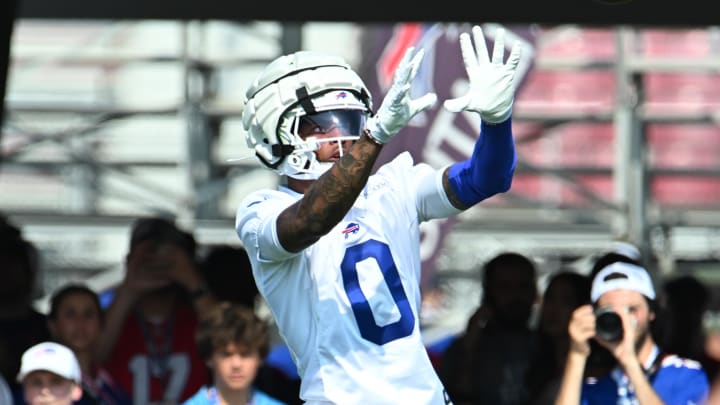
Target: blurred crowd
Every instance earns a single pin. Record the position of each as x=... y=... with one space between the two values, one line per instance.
x=183 y=327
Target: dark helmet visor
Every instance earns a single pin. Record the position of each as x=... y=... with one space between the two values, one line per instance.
x=349 y=122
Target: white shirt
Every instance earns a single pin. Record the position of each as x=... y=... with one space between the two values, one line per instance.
x=347 y=306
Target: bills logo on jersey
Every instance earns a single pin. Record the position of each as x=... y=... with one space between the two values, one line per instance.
x=341 y=95
x=351 y=229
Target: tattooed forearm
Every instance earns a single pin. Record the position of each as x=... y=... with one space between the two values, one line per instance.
x=454 y=200
x=329 y=198
x=347 y=177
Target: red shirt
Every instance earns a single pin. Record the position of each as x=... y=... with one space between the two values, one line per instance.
x=159 y=362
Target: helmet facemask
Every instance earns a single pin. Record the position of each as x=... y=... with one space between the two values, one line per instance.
x=308 y=132
x=296 y=88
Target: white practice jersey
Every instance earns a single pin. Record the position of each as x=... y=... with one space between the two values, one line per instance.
x=347 y=306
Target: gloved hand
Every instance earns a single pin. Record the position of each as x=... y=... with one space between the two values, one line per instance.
x=492 y=89
x=397 y=108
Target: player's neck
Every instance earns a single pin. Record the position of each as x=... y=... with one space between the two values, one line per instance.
x=299 y=186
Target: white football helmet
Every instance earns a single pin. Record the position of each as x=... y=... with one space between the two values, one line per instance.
x=303 y=85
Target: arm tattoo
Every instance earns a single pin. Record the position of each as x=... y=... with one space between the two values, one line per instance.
x=454 y=200
x=329 y=198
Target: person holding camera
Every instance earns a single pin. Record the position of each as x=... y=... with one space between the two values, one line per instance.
x=147 y=343
x=623 y=301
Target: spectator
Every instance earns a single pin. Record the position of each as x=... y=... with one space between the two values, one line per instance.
x=75 y=320
x=227 y=272
x=147 y=341
x=644 y=374
x=711 y=350
x=714 y=395
x=21 y=325
x=565 y=291
x=50 y=374
x=684 y=302
x=601 y=361
x=487 y=364
x=234 y=342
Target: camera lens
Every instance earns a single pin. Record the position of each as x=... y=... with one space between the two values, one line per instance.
x=608 y=325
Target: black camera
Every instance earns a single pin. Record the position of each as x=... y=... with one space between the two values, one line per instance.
x=608 y=324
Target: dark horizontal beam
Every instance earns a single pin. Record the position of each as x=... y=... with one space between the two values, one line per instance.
x=598 y=12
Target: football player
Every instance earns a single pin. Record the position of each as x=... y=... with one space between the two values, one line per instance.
x=335 y=250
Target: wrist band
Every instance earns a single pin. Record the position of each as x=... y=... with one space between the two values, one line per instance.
x=372 y=139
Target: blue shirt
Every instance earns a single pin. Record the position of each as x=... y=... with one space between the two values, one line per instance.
x=678 y=381
x=206 y=396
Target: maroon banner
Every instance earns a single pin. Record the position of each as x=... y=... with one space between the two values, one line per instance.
x=437 y=136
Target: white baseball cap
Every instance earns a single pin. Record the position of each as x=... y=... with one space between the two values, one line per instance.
x=627 y=249
x=635 y=278
x=52 y=357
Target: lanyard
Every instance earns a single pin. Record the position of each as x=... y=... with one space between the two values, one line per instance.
x=626 y=394
x=158 y=352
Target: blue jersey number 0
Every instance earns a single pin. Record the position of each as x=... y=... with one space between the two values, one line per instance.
x=360 y=305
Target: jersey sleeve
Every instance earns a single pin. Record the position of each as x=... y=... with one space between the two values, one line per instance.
x=256 y=224
x=423 y=183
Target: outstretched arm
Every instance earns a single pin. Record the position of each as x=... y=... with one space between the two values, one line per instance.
x=490 y=168
x=487 y=172
x=330 y=197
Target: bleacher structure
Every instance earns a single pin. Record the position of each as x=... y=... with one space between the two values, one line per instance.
x=618 y=138
x=616 y=127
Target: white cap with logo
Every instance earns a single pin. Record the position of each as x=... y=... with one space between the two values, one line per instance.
x=52 y=357
x=633 y=278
